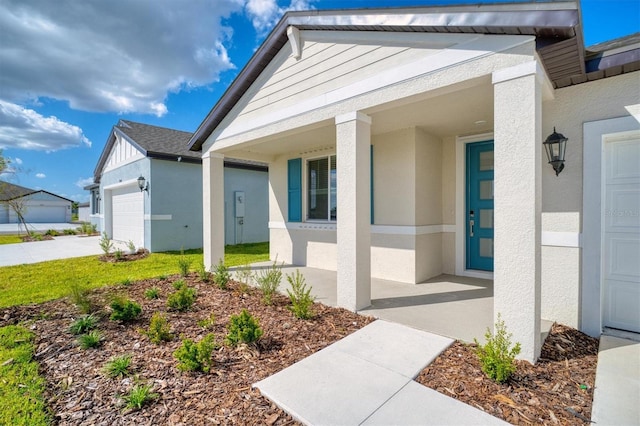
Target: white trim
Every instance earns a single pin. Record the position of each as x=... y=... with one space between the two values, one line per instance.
x=375 y=229
x=293 y=34
x=516 y=71
x=461 y=143
x=158 y=217
x=561 y=239
x=211 y=154
x=353 y=116
x=595 y=134
x=129 y=182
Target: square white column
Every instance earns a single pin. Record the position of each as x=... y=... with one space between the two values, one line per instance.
x=353 y=140
x=213 y=208
x=517 y=203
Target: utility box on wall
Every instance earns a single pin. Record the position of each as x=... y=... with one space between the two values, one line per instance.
x=240 y=203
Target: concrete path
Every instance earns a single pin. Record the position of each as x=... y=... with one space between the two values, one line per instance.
x=39 y=251
x=367 y=379
x=616 y=398
x=15 y=228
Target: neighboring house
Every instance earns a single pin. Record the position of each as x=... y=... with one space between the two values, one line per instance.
x=166 y=214
x=431 y=122
x=37 y=206
x=84 y=212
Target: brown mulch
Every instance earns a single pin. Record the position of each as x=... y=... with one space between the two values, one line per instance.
x=124 y=257
x=39 y=237
x=79 y=393
x=557 y=390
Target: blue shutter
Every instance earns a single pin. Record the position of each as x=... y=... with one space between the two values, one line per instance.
x=372 y=221
x=294 y=179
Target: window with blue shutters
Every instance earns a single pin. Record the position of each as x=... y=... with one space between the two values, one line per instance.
x=294 y=182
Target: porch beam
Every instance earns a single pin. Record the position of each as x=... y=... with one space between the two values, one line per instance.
x=213 y=208
x=517 y=204
x=353 y=140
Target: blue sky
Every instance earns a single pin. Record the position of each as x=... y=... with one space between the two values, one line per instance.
x=69 y=70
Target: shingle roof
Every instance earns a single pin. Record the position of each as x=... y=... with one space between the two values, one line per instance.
x=11 y=191
x=156 y=140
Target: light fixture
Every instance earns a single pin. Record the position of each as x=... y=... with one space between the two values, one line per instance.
x=555 y=146
x=142 y=184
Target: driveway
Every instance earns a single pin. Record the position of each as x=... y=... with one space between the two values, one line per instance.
x=14 y=228
x=39 y=251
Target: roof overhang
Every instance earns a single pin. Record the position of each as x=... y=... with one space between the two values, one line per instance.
x=550 y=22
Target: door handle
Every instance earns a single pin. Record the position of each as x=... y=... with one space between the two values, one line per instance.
x=471 y=223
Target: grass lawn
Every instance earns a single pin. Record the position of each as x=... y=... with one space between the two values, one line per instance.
x=21 y=387
x=39 y=282
x=10 y=239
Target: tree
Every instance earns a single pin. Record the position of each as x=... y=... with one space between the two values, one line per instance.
x=12 y=196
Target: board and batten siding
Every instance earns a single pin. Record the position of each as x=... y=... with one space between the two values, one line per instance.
x=323 y=67
x=121 y=153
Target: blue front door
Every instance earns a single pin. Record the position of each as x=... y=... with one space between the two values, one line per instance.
x=479 y=206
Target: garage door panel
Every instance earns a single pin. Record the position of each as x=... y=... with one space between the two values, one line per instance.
x=625 y=211
x=623 y=258
x=128 y=215
x=621 y=306
x=45 y=214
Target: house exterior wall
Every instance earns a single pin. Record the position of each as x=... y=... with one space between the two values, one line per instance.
x=253 y=227
x=562 y=209
x=39 y=207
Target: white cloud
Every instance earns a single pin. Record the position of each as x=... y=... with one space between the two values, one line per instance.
x=82 y=182
x=264 y=14
x=26 y=129
x=41 y=175
x=111 y=56
x=17 y=161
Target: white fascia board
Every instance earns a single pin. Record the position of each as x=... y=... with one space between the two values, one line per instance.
x=128 y=182
x=468 y=49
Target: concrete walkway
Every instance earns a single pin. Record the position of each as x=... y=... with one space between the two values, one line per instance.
x=616 y=398
x=62 y=247
x=367 y=379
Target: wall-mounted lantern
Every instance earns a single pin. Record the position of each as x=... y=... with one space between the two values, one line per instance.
x=555 y=146
x=142 y=184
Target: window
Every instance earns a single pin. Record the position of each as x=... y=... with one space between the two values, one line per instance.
x=95 y=202
x=321 y=189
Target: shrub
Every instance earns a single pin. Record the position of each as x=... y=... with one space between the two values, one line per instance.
x=243 y=328
x=105 y=243
x=221 y=275
x=182 y=300
x=184 y=263
x=69 y=232
x=93 y=339
x=52 y=232
x=138 y=396
x=159 y=330
x=244 y=275
x=124 y=310
x=80 y=297
x=207 y=323
x=497 y=356
x=127 y=281
x=131 y=246
x=196 y=356
x=118 y=254
x=178 y=284
x=204 y=275
x=152 y=293
x=268 y=281
x=118 y=366
x=83 y=324
x=300 y=296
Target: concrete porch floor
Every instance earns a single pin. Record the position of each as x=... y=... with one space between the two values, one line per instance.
x=452 y=306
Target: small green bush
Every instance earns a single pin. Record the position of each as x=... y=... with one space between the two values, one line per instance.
x=196 y=356
x=118 y=254
x=124 y=310
x=83 y=324
x=159 y=330
x=93 y=339
x=244 y=276
x=184 y=263
x=105 y=243
x=152 y=293
x=52 y=232
x=243 y=328
x=221 y=275
x=208 y=323
x=117 y=366
x=268 y=281
x=69 y=232
x=182 y=300
x=300 y=296
x=126 y=282
x=139 y=396
x=178 y=284
x=205 y=276
x=497 y=356
x=80 y=297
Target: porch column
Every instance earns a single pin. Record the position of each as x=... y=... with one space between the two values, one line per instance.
x=517 y=200
x=212 y=208
x=353 y=140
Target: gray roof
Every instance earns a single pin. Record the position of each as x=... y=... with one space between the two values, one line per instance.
x=555 y=24
x=11 y=191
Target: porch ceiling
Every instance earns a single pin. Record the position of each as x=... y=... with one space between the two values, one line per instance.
x=462 y=112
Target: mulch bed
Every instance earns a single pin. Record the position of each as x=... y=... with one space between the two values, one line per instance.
x=124 y=257
x=79 y=393
x=558 y=389
x=39 y=237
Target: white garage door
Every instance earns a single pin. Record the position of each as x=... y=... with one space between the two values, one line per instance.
x=45 y=214
x=128 y=215
x=621 y=250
